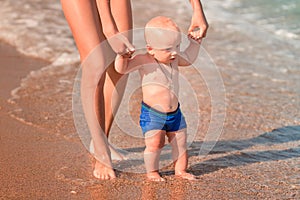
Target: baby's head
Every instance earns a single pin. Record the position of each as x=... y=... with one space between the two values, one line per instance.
x=162 y=37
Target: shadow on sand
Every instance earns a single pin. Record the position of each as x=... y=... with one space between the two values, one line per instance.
x=239 y=157
x=236 y=150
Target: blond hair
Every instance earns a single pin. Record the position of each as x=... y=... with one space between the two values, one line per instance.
x=158 y=26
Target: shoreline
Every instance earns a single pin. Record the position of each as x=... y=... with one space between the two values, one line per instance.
x=30 y=156
x=15 y=67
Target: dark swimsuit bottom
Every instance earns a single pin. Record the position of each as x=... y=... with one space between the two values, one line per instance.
x=152 y=119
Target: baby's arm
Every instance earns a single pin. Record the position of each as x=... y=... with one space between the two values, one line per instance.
x=125 y=65
x=190 y=54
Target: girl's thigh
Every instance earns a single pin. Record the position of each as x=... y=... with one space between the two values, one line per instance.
x=85 y=24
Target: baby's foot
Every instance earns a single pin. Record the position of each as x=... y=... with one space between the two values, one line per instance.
x=154 y=176
x=185 y=175
x=103 y=172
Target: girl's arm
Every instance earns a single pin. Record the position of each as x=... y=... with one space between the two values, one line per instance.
x=117 y=41
x=198 y=20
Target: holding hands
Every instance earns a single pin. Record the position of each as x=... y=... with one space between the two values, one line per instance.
x=199 y=25
x=121 y=45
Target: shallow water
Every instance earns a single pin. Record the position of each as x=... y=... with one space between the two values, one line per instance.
x=257 y=54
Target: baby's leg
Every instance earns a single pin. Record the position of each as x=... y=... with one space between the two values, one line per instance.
x=154 y=140
x=179 y=154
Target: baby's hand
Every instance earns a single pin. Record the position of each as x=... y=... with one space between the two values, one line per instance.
x=127 y=54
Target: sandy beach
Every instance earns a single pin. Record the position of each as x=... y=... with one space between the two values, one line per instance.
x=37 y=163
x=256 y=156
x=29 y=155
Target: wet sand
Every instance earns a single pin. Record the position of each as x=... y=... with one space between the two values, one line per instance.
x=30 y=156
x=256 y=157
x=37 y=162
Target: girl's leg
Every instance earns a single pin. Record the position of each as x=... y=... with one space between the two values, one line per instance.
x=179 y=153
x=155 y=141
x=114 y=83
x=83 y=19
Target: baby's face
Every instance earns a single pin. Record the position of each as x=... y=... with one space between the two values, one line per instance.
x=166 y=46
x=167 y=55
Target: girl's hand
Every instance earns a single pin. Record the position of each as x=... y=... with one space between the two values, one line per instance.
x=195 y=39
x=199 y=25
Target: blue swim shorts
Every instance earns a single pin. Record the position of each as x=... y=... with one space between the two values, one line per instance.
x=152 y=119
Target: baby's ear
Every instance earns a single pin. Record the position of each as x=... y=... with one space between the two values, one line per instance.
x=149 y=49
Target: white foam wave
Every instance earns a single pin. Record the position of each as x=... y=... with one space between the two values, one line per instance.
x=286 y=33
x=50 y=70
x=37 y=28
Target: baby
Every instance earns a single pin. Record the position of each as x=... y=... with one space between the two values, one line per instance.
x=160 y=111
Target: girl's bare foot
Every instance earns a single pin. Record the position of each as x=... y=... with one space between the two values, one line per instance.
x=154 y=176
x=103 y=172
x=185 y=175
